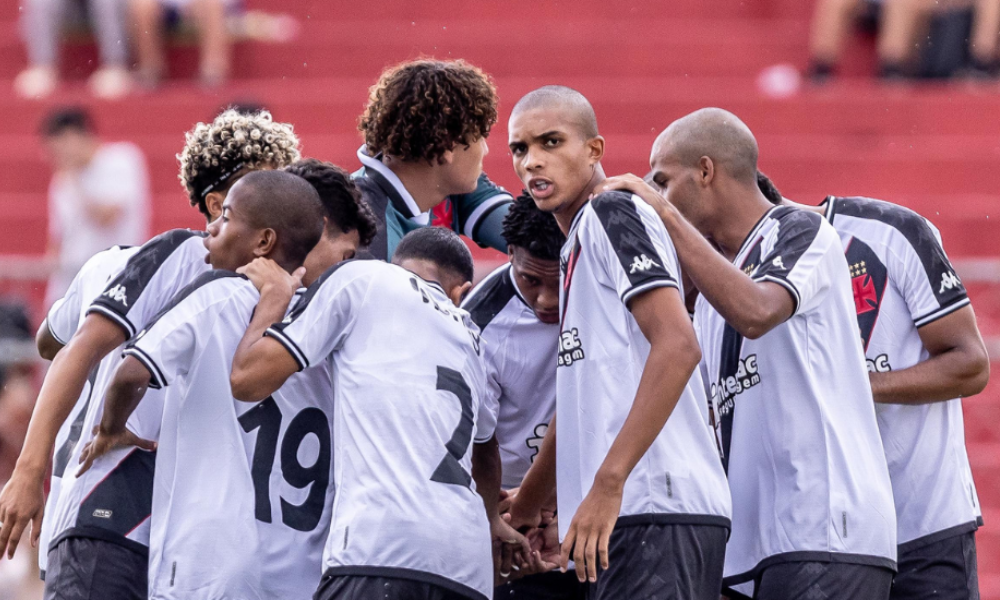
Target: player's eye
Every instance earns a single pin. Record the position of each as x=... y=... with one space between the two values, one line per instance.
x=517 y=149
x=551 y=143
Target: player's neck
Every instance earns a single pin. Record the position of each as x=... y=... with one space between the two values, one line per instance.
x=565 y=216
x=738 y=221
x=420 y=180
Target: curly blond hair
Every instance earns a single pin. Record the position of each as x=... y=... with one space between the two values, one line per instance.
x=234 y=141
x=423 y=108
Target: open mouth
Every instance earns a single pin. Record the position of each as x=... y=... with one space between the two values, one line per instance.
x=540 y=187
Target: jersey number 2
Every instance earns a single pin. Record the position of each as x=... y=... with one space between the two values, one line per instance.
x=267 y=417
x=450 y=470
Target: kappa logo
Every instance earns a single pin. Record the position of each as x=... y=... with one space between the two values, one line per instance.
x=117 y=294
x=948 y=281
x=570 y=347
x=102 y=513
x=777 y=262
x=535 y=443
x=642 y=263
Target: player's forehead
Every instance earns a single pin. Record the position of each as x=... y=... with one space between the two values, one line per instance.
x=533 y=124
x=527 y=263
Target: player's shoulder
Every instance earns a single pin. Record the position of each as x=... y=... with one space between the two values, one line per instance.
x=490 y=296
x=106 y=262
x=906 y=221
x=214 y=286
x=171 y=240
x=613 y=200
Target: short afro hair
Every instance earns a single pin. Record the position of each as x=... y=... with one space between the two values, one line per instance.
x=343 y=204
x=421 y=109
x=440 y=246
x=67 y=118
x=768 y=188
x=215 y=152
x=528 y=227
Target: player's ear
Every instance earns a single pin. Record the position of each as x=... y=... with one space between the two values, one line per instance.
x=458 y=292
x=595 y=149
x=213 y=204
x=706 y=171
x=447 y=158
x=267 y=242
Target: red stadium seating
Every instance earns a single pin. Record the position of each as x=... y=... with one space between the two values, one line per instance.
x=643 y=63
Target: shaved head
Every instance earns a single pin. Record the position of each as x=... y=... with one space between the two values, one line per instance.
x=717 y=134
x=286 y=203
x=569 y=102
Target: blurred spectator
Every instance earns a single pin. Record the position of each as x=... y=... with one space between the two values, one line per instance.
x=908 y=44
x=208 y=16
x=98 y=197
x=42 y=25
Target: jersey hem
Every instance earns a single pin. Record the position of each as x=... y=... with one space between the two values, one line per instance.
x=290 y=346
x=673 y=519
x=410 y=574
x=158 y=381
x=941 y=312
x=645 y=287
x=96 y=533
x=116 y=318
x=810 y=556
x=937 y=536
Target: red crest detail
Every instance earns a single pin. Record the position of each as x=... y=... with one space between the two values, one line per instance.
x=865 y=297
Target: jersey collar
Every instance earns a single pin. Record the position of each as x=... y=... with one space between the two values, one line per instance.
x=401 y=199
x=753 y=232
x=831 y=208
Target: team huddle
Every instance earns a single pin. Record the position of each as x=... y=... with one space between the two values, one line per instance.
x=753 y=398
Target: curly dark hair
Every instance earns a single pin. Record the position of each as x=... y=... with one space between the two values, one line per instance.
x=526 y=226
x=768 y=188
x=421 y=109
x=342 y=200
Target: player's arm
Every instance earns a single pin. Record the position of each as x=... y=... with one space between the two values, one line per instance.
x=538 y=487
x=510 y=547
x=126 y=390
x=481 y=213
x=23 y=498
x=673 y=356
x=752 y=307
x=47 y=344
x=958 y=366
x=261 y=364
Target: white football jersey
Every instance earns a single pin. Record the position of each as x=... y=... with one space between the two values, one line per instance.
x=617 y=248
x=520 y=355
x=63 y=319
x=242 y=490
x=903 y=280
x=112 y=500
x=408 y=381
x=794 y=412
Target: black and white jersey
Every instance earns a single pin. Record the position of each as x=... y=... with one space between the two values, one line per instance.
x=113 y=499
x=63 y=319
x=408 y=381
x=617 y=248
x=520 y=355
x=242 y=491
x=902 y=280
x=794 y=412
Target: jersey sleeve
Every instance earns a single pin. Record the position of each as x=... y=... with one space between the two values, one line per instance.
x=640 y=261
x=475 y=209
x=64 y=316
x=797 y=259
x=154 y=275
x=929 y=285
x=324 y=315
x=168 y=345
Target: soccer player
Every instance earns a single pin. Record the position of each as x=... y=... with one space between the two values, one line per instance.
x=924 y=355
x=812 y=503
x=517 y=309
x=640 y=486
x=408 y=381
x=425 y=129
x=233 y=516
x=215 y=156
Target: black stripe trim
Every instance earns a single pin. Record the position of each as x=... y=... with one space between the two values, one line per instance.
x=157 y=380
x=198 y=282
x=757 y=226
x=939 y=535
x=96 y=533
x=811 y=556
x=491 y=296
x=649 y=285
x=673 y=519
x=127 y=327
x=788 y=285
x=409 y=574
x=292 y=347
x=629 y=238
x=941 y=312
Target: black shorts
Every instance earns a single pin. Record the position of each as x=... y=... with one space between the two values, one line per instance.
x=373 y=587
x=654 y=561
x=89 y=569
x=826 y=580
x=554 y=585
x=943 y=569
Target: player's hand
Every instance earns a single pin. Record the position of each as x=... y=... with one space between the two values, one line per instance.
x=545 y=540
x=590 y=530
x=506 y=499
x=105 y=442
x=514 y=548
x=268 y=277
x=522 y=518
x=636 y=185
x=21 y=502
